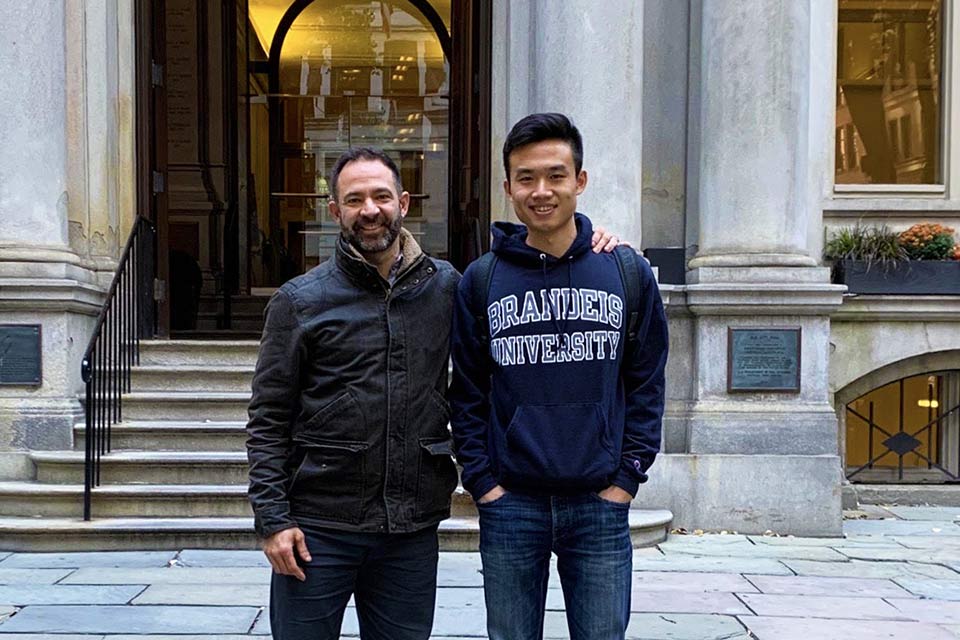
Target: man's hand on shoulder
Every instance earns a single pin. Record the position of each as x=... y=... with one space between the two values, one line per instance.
x=613 y=493
x=280 y=549
x=603 y=240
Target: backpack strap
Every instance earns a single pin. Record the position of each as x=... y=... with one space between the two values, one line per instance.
x=482 y=276
x=630 y=274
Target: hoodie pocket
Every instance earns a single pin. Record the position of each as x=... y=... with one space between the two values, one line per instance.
x=557 y=445
x=329 y=481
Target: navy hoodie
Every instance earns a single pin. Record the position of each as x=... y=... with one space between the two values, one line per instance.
x=549 y=404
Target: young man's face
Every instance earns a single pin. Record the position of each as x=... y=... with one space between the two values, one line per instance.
x=369 y=209
x=544 y=185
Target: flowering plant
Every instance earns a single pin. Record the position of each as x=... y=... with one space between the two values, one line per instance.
x=928 y=241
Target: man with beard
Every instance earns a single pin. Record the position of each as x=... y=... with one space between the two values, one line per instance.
x=351 y=465
x=350 y=456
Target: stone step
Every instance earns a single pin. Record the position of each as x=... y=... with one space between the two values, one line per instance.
x=215 y=335
x=125 y=534
x=199 y=352
x=145 y=467
x=196 y=378
x=252 y=321
x=244 y=304
x=647 y=528
x=226 y=406
x=37 y=499
x=944 y=495
x=171 y=436
x=34 y=499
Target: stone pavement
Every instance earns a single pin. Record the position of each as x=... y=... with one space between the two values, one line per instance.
x=894 y=575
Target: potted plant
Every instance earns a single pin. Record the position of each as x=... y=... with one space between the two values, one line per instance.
x=875 y=260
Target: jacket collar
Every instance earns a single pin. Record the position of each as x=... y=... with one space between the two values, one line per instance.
x=355 y=265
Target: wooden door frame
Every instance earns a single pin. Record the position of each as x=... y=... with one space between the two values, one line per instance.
x=151 y=173
x=151 y=143
x=470 y=108
x=467 y=47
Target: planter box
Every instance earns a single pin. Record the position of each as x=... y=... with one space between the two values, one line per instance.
x=913 y=277
x=671 y=261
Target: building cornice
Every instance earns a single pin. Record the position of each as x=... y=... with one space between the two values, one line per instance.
x=887 y=308
x=50 y=295
x=763 y=299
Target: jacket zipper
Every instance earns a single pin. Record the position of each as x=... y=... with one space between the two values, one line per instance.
x=388 y=291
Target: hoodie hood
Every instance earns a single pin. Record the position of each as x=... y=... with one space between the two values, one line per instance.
x=510 y=242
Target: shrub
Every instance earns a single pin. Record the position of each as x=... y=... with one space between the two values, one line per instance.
x=870 y=244
x=928 y=241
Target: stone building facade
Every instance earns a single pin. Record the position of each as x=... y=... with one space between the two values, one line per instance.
x=738 y=135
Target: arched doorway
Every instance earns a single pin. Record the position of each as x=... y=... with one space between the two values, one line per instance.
x=341 y=74
x=904 y=430
x=246 y=104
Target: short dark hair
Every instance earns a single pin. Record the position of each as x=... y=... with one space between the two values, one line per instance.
x=538 y=127
x=354 y=154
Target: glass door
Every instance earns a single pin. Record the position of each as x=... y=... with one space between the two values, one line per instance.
x=327 y=75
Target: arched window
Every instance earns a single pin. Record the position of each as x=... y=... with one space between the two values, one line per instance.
x=906 y=431
x=340 y=74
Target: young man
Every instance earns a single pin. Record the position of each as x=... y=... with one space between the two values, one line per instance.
x=350 y=455
x=555 y=424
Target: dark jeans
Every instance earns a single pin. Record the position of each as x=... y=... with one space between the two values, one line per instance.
x=393 y=578
x=591 y=537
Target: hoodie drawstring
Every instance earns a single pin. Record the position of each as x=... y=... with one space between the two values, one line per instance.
x=562 y=338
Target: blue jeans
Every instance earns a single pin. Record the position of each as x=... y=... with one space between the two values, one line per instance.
x=591 y=537
x=393 y=578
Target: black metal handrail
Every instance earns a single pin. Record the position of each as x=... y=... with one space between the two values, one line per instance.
x=114 y=348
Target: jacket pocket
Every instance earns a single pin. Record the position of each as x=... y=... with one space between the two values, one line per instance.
x=341 y=404
x=442 y=405
x=436 y=477
x=329 y=481
x=557 y=445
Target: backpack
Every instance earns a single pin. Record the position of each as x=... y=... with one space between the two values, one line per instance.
x=629 y=275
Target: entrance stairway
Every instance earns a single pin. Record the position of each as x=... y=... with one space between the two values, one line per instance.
x=246 y=316
x=176 y=477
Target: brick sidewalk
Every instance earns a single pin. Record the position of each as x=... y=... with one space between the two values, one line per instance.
x=894 y=575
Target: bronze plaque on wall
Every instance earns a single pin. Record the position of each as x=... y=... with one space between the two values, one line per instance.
x=763 y=359
x=20 y=355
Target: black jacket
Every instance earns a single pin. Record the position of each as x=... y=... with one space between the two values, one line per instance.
x=348 y=423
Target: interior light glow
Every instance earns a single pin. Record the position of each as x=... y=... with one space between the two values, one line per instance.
x=928 y=404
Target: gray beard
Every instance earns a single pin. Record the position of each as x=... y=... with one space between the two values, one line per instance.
x=355 y=238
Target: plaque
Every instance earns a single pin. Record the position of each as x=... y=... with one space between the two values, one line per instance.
x=20 y=354
x=763 y=359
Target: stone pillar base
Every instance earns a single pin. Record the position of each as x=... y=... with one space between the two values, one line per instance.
x=756 y=461
x=762 y=428
x=16 y=465
x=34 y=424
x=59 y=293
x=786 y=494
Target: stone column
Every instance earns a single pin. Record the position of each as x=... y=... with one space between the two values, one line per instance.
x=42 y=280
x=754 y=76
x=100 y=121
x=756 y=461
x=550 y=60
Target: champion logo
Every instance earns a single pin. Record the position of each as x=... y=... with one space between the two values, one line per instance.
x=636 y=465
